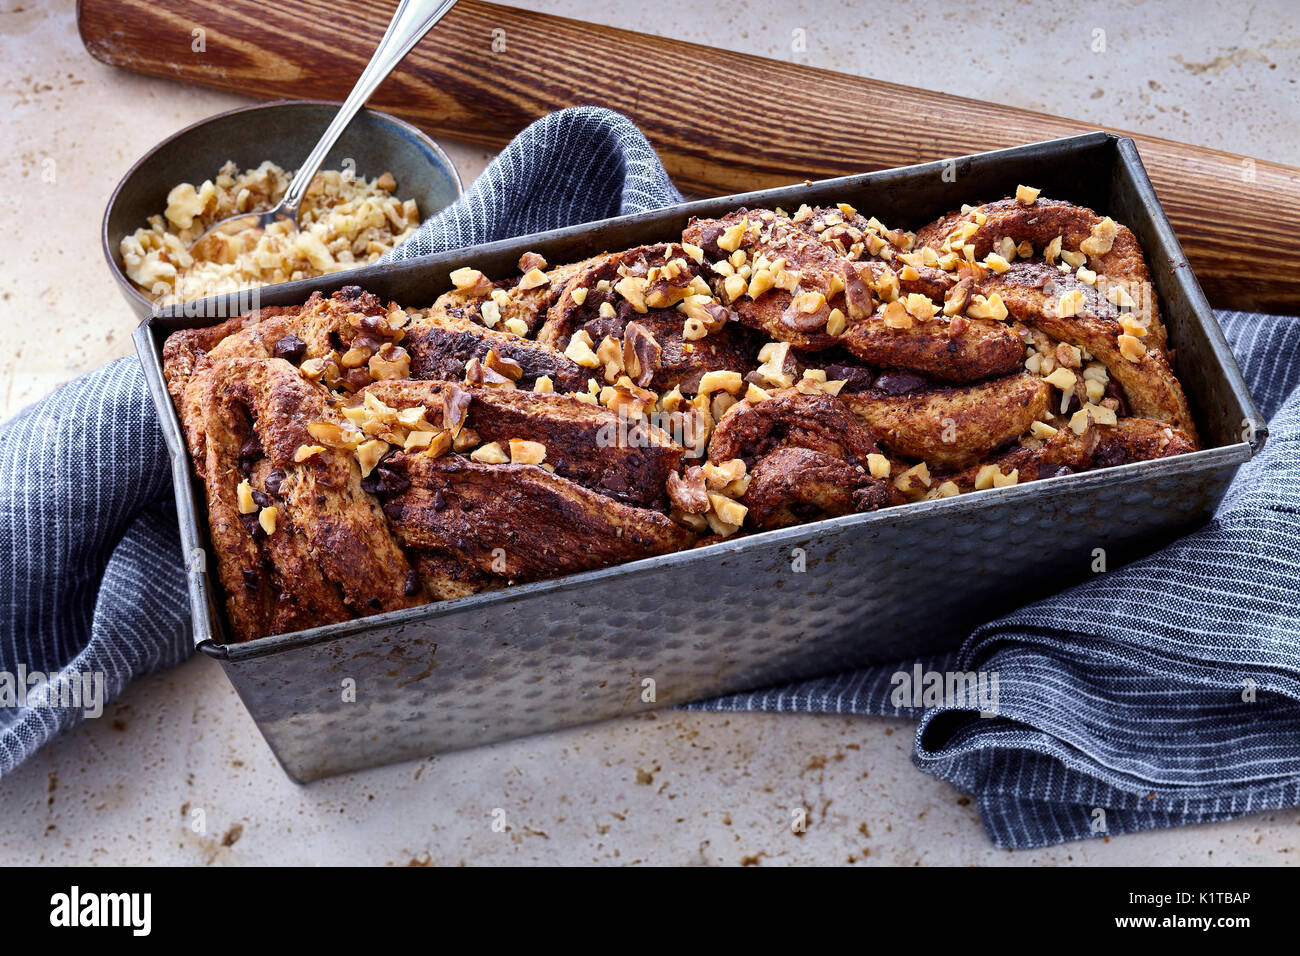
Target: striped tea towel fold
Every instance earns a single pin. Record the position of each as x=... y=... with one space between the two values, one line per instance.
x=1120 y=696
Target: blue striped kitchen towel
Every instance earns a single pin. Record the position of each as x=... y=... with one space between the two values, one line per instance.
x=1120 y=696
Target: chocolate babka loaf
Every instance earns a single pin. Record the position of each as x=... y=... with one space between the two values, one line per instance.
x=760 y=370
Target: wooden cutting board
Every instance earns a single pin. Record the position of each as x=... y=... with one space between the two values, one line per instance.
x=722 y=122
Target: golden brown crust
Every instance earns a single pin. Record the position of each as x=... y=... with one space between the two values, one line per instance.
x=791 y=485
x=514 y=300
x=951 y=428
x=1032 y=291
x=330 y=555
x=765 y=370
x=442 y=344
x=1040 y=223
x=184 y=349
x=1129 y=440
x=964 y=353
x=519 y=522
x=814 y=268
x=626 y=460
x=791 y=418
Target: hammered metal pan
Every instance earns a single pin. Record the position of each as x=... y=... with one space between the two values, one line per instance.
x=748 y=612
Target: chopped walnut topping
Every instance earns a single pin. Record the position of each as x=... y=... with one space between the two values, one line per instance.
x=368 y=454
x=244 y=498
x=312 y=369
x=1069 y=303
x=878 y=466
x=718 y=477
x=490 y=313
x=997 y=263
x=695 y=252
x=490 y=454
x=412 y=417
x=920 y=306
x=1132 y=348
x=477 y=372
x=439 y=444
x=668 y=284
x=516 y=326
x=732 y=236
x=267 y=518
x=991 y=307
x=896 y=316
x=304 y=452
x=1101 y=239
x=610 y=353
x=914 y=480
x=527 y=452
x=506 y=367
x=640 y=353
x=1027 y=194
x=470 y=281
x=530 y=261
x=1068 y=356
x=1010 y=478
x=627 y=399
x=720 y=381
x=761 y=281
x=1091 y=414
x=579 y=350
x=1041 y=430
x=984 y=477
x=579 y=296
x=778 y=365
x=729 y=512
x=390 y=362
x=734 y=287
x=836 y=323
x=334 y=436
x=632 y=288
x=1096 y=371
x=955 y=299
x=1062 y=378
x=1131 y=326
x=1118 y=296
x=533 y=279
x=355 y=357
x=688 y=492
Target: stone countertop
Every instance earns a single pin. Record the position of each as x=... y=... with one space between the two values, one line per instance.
x=667 y=787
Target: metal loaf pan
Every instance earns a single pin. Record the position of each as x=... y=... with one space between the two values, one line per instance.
x=748 y=612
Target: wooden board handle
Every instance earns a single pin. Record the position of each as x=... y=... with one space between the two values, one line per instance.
x=721 y=121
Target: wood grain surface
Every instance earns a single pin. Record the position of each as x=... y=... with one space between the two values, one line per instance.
x=721 y=121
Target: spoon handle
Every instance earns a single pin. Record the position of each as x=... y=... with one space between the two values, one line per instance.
x=413 y=19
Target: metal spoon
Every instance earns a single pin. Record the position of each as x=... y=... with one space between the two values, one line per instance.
x=413 y=19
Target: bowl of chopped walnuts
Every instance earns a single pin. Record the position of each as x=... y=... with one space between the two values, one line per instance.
x=381 y=180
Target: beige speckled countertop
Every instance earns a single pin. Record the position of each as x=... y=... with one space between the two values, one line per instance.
x=671 y=787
